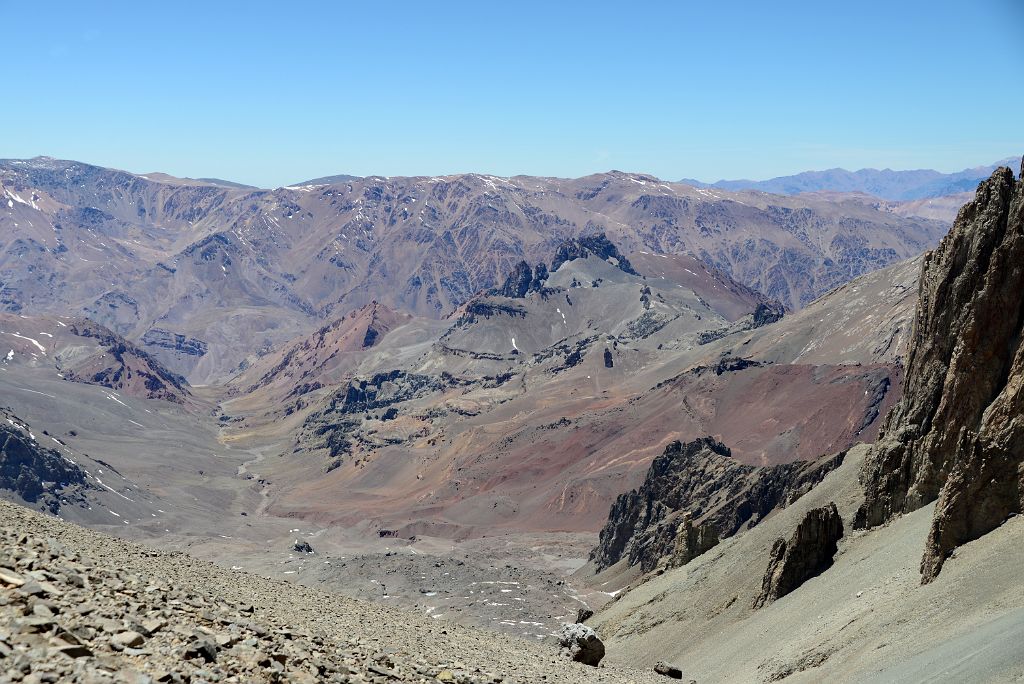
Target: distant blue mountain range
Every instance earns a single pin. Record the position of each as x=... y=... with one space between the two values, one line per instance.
x=885 y=183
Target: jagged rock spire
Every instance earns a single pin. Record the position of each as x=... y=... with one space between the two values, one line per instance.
x=957 y=435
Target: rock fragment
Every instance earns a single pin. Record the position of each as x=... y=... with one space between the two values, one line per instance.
x=668 y=669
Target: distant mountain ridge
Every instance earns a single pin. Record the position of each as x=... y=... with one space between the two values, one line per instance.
x=884 y=183
x=203 y=275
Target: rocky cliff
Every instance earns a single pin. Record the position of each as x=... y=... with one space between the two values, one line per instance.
x=957 y=435
x=806 y=554
x=598 y=245
x=694 y=494
x=34 y=474
x=523 y=280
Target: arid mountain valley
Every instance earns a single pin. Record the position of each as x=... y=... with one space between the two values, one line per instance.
x=462 y=428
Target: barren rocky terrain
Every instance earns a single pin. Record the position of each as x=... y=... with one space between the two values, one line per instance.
x=80 y=606
x=489 y=404
x=203 y=275
x=488 y=446
x=903 y=564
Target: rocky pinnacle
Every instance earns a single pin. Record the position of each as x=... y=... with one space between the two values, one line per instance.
x=957 y=435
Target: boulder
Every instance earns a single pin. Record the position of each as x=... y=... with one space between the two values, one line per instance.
x=581 y=644
x=669 y=670
x=128 y=639
x=202 y=647
x=808 y=553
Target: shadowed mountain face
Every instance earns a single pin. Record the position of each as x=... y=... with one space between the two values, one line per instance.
x=888 y=184
x=203 y=275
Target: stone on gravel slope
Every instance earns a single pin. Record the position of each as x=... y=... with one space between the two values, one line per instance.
x=808 y=553
x=956 y=435
x=581 y=644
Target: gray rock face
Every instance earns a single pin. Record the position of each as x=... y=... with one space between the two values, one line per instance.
x=768 y=312
x=581 y=644
x=523 y=280
x=694 y=494
x=34 y=473
x=808 y=553
x=956 y=435
x=165 y=339
x=586 y=245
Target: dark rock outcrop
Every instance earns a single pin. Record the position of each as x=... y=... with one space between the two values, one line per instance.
x=693 y=495
x=34 y=473
x=599 y=245
x=808 y=553
x=483 y=309
x=523 y=280
x=382 y=390
x=768 y=312
x=765 y=313
x=727 y=364
x=647 y=324
x=692 y=541
x=668 y=670
x=583 y=614
x=172 y=341
x=957 y=435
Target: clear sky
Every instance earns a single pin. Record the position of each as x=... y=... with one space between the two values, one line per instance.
x=275 y=93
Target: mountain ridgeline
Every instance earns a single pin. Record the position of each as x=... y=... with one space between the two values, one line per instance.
x=234 y=271
x=885 y=183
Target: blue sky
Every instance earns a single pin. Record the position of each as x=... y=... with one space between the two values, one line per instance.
x=273 y=93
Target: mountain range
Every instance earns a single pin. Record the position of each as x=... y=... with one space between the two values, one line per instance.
x=886 y=184
x=679 y=419
x=234 y=272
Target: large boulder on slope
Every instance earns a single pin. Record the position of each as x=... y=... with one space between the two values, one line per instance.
x=581 y=644
x=808 y=553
